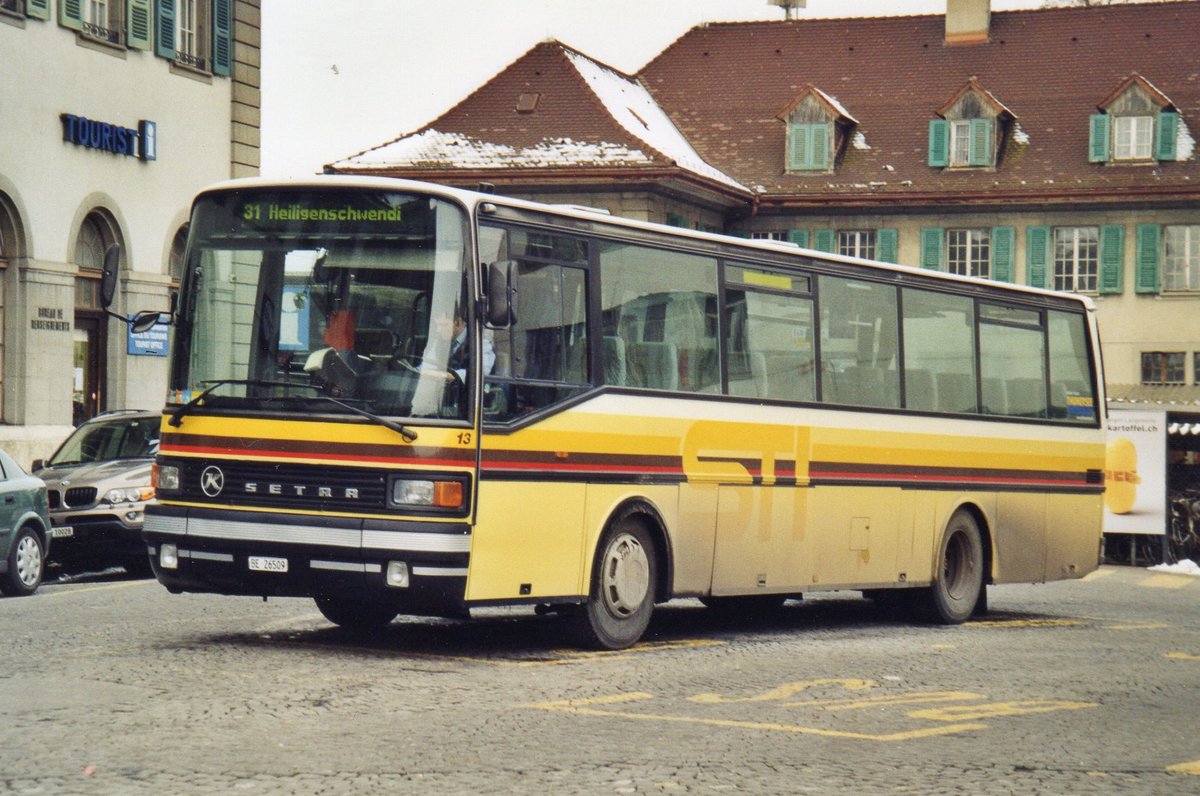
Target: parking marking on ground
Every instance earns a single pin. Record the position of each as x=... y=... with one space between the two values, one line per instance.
x=1183 y=656
x=1192 y=768
x=966 y=715
x=98 y=587
x=1168 y=581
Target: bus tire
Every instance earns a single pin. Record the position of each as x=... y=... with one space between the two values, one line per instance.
x=959 y=576
x=624 y=582
x=355 y=614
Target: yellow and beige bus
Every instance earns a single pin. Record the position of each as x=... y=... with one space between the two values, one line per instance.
x=396 y=397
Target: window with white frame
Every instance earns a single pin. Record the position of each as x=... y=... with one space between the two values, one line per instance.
x=1181 y=257
x=768 y=236
x=1076 y=258
x=1133 y=137
x=102 y=19
x=960 y=142
x=856 y=243
x=187 y=38
x=968 y=252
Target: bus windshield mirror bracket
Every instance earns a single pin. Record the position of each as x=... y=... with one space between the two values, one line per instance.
x=142 y=321
x=501 y=294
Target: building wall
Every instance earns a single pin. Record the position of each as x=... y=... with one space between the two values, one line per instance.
x=206 y=131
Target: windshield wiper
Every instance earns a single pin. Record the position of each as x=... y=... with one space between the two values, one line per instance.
x=185 y=410
x=404 y=431
x=177 y=418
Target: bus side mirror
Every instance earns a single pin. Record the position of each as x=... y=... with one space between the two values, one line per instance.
x=145 y=320
x=501 y=294
x=108 y=276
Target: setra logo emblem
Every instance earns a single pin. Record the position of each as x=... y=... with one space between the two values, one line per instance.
x=212 y=481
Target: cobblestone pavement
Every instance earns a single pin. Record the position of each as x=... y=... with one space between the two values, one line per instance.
x=112 y=686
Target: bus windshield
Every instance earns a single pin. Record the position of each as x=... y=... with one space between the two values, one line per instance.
x=294 y=298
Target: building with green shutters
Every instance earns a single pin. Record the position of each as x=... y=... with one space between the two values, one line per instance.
x=1051 y=147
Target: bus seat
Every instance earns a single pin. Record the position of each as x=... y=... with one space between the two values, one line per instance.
x=995 y=397
x=370 y=341
x=653 y=365
x=955 y=392
x=918 y=390
x=614 y=360
x=1026 y=398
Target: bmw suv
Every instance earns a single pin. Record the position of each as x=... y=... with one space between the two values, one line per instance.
x=98 y=483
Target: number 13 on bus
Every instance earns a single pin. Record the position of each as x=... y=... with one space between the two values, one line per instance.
x=394 y=397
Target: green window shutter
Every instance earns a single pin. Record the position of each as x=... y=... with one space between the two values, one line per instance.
x=1003 y=239
x=798 y=151
x=939 y=142
x=799 y=237
x=137 y=20
x=38 y=9
x=676 y=220
x=1098 y=138
x=819 y=145
x=1037 y=256
x=1112 y=258
x=885 y=245
x=70 y=14
x=1164 y=148
x=222 y=46
x=981 y=142
x=823 y=240
x=931 y=247
x=1147 y=258
x=164 y=28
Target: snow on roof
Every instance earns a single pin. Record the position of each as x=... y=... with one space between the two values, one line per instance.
x=628 y=102
x=435 y=148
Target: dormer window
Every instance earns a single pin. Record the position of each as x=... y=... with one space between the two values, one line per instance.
x=817 y=130
x=1137 y=123
x=967 y=134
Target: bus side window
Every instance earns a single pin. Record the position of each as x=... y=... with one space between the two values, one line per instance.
x=859 y=343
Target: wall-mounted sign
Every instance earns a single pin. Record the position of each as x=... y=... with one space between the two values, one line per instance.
x=150 y=343
x=50 y=319
x=141 y=143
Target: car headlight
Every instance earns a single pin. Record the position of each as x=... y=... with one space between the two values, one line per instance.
x=131 y=494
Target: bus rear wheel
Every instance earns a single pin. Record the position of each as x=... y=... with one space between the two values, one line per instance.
x=355 y=614
x=624 y=582
x=959 y=578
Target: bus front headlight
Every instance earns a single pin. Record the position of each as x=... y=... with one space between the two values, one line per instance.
x=427 y=493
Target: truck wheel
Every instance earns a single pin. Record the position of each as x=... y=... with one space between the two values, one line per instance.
x=26 y=564
x=624 y=581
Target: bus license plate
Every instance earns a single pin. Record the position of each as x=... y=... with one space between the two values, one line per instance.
x=267 y=564
x=61 y=532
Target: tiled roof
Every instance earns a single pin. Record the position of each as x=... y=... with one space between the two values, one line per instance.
x=578 y=114
x=723 y=85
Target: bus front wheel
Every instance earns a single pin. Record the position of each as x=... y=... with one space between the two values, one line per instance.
x=624 y=581
x=959 y=578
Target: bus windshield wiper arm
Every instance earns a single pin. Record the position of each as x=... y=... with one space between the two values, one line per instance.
x=404 y=431
x=177 y=418
x=185 y=410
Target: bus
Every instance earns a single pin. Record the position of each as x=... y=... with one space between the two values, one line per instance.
x=397 y=398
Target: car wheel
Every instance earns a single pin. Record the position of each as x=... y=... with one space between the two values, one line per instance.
x=26 y=564
x=354 y=613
